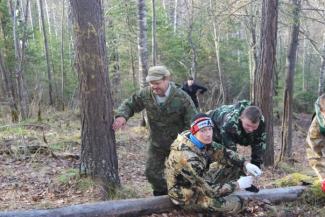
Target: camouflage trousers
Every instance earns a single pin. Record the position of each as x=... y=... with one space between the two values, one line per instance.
x=227 y=205
x=316 y=158
x=155 y=167
x=230 y=204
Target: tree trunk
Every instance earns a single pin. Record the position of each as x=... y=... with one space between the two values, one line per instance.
x=142 y=41
x=98 y=148
x=62 y=57
x=154 y=31
x=252 y=43
x=48 y=17
x=31 y=19
x=143 y=50
x=150 y=205
x=49 y=72
x=322 y=70
x=304 y=57
x=286 y=130
x=175 y=16
x=9 y=89
x=263 y=88
x=190 y=41
x=20 y=63
x=216 y=39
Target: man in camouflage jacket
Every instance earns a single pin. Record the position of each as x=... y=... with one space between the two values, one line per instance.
x=201 y=174
x=169 y=112
x=242 y=124
x=315 y=142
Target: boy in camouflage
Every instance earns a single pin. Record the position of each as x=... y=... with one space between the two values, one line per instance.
x=169 y=112
x=201 y=173
x=242 y=124
x=315 y=141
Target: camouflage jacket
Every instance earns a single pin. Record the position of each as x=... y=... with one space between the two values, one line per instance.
x=191 y=172
x=315 y=144
x=165 y=121
x=229 y=131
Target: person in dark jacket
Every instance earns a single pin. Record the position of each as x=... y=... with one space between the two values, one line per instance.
x=240 y=123
x=192 y=89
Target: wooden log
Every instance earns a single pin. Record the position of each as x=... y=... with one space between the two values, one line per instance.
x=145 y=206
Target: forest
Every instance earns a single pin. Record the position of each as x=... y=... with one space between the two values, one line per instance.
x=67 y=65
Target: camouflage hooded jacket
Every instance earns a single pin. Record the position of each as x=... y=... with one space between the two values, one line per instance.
x=229 y=131
x=315 y=143
x=191 y=172
x=165 y=121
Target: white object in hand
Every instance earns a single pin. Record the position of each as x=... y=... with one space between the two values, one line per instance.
x=253 y=169
x=245 y=182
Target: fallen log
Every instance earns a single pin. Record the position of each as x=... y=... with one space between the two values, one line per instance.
x=145 y=206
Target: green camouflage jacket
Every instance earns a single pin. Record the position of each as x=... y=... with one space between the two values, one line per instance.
x=165 y=121
x=228 y=130
x=315 y=143
x=191 y=172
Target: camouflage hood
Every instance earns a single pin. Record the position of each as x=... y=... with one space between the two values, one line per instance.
x=320 y=117
x=182 y=139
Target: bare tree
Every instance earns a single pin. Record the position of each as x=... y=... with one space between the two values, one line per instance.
x=98 y=148
x=175 y=16
x=194 y=57
x=263 y=89
x=47 y=55
x=322 y=70
x=251 y=25
x=62 y=55
x=142 y=43
x=154 y=33
x=9 y=90
x=142 y=49
x=216 y=39
x=286 y=130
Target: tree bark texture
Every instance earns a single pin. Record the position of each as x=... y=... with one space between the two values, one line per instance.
x=142 y=49
x=263 y=89
x=154 y=33
x=252 y=42
x=216 y=39
x=142 y=43
x=322 y=70
x=147 y=206
x=20 y=62
x=6 y=79
x=98 y=149
x=62 y=55
x=47 y=55
x=286 y=130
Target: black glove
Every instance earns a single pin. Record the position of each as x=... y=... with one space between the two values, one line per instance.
x=253 y=188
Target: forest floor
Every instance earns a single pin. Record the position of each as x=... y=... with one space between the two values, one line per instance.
x=39 y=166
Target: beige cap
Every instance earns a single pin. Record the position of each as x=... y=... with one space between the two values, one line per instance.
x=156 y=73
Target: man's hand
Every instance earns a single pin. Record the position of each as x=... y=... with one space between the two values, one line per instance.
x=253 y=169
x=245 y=182
x=118 y=123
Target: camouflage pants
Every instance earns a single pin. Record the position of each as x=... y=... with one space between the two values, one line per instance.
x=316 y=158
x=155 y=167
x=228 y=205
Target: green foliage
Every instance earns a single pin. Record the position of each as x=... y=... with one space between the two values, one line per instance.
x=294 y=179
x=66 y=176
x=314 y=195
x=124 y=192
x=71 y=177
x=304 y=101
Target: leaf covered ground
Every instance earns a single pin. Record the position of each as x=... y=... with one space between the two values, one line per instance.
x=39 y=167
